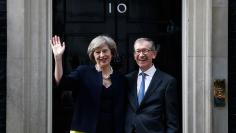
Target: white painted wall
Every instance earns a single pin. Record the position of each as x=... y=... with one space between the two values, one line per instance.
x=28 y=61
x=197 y=66
x=220 y=59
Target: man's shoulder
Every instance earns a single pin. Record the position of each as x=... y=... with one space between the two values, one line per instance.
x=166 y=76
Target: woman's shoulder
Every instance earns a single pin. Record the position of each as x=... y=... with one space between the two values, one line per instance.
x=118 y=76
x=118 y=73
x=85 y=69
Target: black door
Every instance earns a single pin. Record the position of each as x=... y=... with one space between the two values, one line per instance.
x=78 y=21
x=232 y=66
x=157 y=19
x=3 y=64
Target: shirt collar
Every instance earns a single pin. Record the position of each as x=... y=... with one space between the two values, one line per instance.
x=150 y=71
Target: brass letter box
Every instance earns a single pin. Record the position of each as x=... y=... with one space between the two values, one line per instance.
x=219 y=93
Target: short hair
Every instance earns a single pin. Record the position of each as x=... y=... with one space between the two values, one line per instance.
x=153 y=46
x=98 y=41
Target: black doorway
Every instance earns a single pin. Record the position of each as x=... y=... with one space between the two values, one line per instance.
x=3 y=64
x=232 y=66
x=78 y=21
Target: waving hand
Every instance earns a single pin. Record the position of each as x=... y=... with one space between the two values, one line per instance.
x=58 y=48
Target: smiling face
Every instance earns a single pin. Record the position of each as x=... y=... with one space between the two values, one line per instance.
x=143 y=54
x=102 y=56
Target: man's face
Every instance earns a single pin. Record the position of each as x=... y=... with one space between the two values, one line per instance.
x=143 y=55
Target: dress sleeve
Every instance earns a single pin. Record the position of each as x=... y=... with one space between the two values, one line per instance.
x=69 y=81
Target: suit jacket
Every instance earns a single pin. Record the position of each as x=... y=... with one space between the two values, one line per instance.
x=88 y=83
x=158 y=111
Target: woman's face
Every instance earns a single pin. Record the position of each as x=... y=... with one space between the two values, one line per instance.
x=102 y=56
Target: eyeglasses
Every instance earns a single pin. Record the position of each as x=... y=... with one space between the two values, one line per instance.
x=144 y=51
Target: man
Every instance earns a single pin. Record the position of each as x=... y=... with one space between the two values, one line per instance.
x=152 y=98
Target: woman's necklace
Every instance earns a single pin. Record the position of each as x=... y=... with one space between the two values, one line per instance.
x=106 y=77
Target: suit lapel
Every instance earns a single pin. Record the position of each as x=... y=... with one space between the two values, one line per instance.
x=155 y=82
x=133 y=91
x=97 y=82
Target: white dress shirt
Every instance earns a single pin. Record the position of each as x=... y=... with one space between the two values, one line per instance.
x=149 y=74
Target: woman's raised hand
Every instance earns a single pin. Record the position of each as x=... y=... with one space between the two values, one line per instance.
x=58 y=48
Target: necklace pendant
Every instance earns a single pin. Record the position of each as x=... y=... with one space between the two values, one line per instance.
x=107 y=83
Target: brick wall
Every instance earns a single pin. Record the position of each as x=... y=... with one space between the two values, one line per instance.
x=3 y=53
x=232 y=66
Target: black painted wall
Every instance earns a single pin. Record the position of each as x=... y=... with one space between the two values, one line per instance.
x=3 y=55
x=232 y=66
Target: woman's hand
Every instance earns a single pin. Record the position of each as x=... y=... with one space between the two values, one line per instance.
x=58 y=48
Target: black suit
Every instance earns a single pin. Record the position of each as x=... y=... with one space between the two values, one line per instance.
x=158 y=111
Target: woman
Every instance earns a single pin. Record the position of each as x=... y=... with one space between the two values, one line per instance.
x=99 y=106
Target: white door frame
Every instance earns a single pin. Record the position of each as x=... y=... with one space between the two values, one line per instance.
x=29 y=69
x=196 y=66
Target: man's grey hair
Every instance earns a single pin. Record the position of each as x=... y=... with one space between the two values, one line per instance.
x=154 y=47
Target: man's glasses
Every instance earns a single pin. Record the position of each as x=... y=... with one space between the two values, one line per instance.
x=144 y=51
